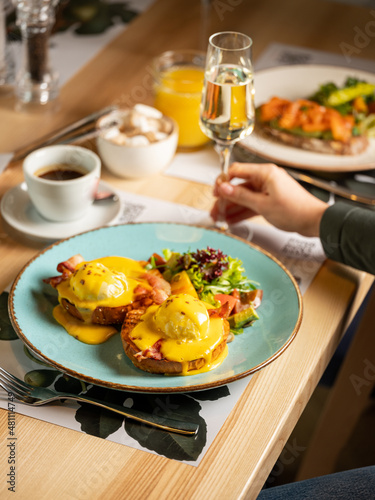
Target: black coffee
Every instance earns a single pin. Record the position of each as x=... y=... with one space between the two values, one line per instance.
x=60 y=172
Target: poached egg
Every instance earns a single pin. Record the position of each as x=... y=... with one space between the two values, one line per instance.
x=105 y=282
x=186 y=329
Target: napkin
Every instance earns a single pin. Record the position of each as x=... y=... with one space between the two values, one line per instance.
x=197 y=166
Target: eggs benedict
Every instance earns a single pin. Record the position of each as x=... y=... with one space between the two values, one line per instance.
x=182 y=336
x=95 y=296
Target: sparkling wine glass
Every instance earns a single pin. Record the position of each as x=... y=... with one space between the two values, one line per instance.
x=227 y=109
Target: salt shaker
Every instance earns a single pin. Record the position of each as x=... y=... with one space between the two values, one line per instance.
x=36 y=81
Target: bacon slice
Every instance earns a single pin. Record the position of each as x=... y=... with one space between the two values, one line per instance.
x=161 y=289
x=141 y=292
x=153 y=352
x=71 y=264
x=66 y=269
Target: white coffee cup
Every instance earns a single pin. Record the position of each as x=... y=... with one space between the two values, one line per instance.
x=62 y=200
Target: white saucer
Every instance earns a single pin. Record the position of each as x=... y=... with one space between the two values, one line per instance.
x=19 y=213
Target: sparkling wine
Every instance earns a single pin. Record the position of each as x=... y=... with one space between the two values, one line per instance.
x=227 y=113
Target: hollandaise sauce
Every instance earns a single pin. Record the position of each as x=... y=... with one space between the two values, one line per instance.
x=209 y=363
x=188 y=332
x=84 y=332
x=106 y=282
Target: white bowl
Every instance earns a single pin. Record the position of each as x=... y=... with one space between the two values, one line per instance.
x=130 y=160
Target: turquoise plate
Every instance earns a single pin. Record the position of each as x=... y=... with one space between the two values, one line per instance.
x=106 y=364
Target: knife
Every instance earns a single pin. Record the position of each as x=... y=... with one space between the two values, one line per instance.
x=331 y=188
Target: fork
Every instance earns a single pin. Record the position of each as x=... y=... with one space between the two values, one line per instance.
x=75 y=132
x=61 y=136
x=36 y=396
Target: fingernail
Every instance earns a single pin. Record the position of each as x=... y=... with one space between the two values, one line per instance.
x=226 y=188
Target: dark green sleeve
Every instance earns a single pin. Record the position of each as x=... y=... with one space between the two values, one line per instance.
x=348 y=236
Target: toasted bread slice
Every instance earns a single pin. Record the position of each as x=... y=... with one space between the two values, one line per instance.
x=107 y=315
x=354 y=146
x=162 y=366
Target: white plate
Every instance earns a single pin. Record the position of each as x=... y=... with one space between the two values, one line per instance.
x=19 y=213
x=301 y=81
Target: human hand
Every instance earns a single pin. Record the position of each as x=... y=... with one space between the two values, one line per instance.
x=269 y=191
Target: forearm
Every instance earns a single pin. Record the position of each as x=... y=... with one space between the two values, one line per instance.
x=348 y=236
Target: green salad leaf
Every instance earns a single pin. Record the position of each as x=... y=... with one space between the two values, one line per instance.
x=210 y=271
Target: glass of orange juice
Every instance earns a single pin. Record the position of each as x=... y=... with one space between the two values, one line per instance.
x=178 y=85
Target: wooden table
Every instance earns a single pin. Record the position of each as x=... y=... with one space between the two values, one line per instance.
x=54 y=462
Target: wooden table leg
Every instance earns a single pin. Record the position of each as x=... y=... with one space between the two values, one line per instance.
x=346 y=402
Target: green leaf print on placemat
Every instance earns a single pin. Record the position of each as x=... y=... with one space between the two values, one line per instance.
x=103 y=423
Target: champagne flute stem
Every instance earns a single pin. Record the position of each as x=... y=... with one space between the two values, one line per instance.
x=225 y=154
